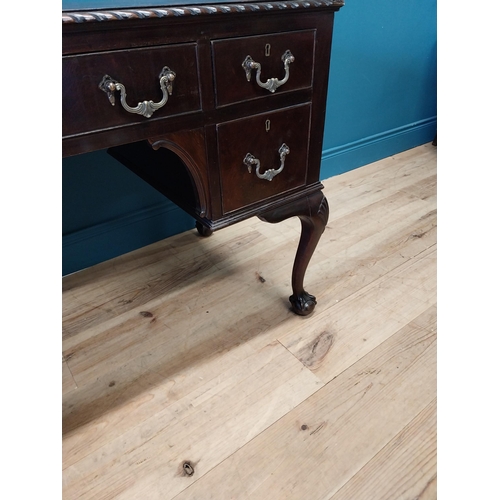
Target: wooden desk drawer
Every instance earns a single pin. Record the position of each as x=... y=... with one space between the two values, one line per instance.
x=231 y=81
x=263 y=136
x=86 y=107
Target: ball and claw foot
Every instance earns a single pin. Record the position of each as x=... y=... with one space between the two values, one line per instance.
x=303 y=304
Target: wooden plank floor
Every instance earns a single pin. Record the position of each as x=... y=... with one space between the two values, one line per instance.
x=186 y=375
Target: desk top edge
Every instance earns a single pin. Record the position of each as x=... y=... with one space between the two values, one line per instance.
x=184 y=8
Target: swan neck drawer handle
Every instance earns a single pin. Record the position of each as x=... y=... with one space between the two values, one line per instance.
x=250 y=160
x=272 y=83
x=144 y=108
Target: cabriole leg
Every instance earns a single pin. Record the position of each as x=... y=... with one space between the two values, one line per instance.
x=312 y=210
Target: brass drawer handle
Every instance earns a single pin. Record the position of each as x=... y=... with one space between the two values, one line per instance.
x=250 y=160
x=272 y=83
x=144 y=108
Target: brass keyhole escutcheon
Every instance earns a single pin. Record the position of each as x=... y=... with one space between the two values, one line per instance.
x=268 y=49
x=268 y=125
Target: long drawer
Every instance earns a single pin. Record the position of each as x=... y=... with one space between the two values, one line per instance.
x=86 y=107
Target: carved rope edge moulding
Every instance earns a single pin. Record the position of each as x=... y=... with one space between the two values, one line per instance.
x=159 y=12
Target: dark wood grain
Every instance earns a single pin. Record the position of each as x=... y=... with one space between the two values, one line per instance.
x=86 y=107
x=313 y=211
x=230 y=77
x=236 y=138
x=192 y=149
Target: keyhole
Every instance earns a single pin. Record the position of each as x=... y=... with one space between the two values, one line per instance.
x=268 y=49
x=268 y=125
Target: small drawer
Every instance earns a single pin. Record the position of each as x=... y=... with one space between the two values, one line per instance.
x=87 y=108
x=231 y=79
x=250 y=147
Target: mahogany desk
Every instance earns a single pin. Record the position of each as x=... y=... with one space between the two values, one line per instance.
x=220 y=107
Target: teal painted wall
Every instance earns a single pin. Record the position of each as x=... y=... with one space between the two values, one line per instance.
x=107 y=211
x=381 y=101
x=382 y=88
